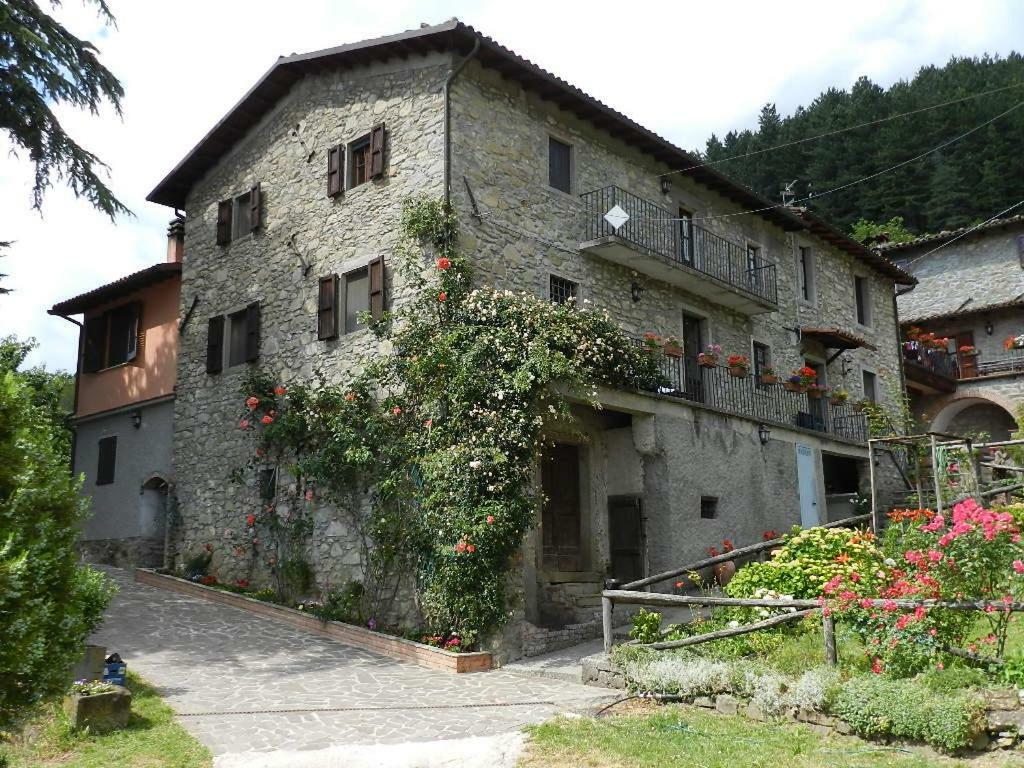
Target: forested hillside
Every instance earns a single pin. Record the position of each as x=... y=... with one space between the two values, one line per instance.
x=968 y=181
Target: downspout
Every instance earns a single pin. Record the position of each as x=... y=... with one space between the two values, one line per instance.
x=899 y=354
x=78 y=371
x=448 y=119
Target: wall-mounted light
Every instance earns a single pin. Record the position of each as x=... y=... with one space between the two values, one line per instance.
x=989 y=328
x=636 y=291
x=666 y=185
x=763 y=433
x=137 y=418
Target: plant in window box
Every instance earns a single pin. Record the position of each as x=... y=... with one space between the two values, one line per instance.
x=1013 y=342
x=839 y=396
x=968 y=351
x=739 y=366
x=914 y=333
x=800 y=379
x=768 y=375
x=816 y=391
x=859 y=405
x=673 y=347
x=709 y=357
x=652 y=342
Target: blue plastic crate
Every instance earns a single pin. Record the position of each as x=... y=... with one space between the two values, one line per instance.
x=115 y=673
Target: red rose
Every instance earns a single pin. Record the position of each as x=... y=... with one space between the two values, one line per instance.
x=442 y=296
x=243 y=424
x=250 y=520
x=396 y=410
x=490 y=519
x=268 y=419
x=443 y=263
x=251 y=402
x=279 y=390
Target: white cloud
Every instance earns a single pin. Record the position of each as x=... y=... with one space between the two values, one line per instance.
x=681 y=69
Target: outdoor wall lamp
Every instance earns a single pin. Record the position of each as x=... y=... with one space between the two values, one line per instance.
x=763 y=433
x=989 y=328
x=137 y=418
x=636 y=291
x=666 y=185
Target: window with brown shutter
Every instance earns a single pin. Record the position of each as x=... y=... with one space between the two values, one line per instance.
x=327 y=303
x=106 y=460
x=215 y=345
x=359 y=162
x=239 y=216
x=255 y=219
x=377 y=151
x=224 y=222
x=335 y=170
x=252 y=332
x=111 y=338
x=95 y=343
x=376 y=268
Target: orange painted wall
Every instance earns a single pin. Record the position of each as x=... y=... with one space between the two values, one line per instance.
x=153 y=372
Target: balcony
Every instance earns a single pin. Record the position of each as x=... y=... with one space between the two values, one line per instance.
x=1009 y=362
x=769 y=403
x=653 y=241
x=929 y=370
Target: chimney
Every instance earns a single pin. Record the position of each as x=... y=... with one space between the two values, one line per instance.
x=176 y=240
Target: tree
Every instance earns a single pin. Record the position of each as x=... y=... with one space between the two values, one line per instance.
x=52 y=392
x=42 y=65
x=48 y=604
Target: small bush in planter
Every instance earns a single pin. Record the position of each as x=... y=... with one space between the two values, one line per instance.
x=839 y=396
x=709 y=357
x=768 y=375
x=738 y=365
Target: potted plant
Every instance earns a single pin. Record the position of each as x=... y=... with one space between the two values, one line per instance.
x=859 y=405
x=739 y=365
x=673 y=347
x=709 y=357
x=768 y=375
x=816 y=391
x=726 y=570
x=652 y=342
x=968 y=351
x=839 y=396
x=1014 y=342
x=801 y=379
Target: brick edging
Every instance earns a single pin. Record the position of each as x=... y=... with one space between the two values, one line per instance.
x=378 y=642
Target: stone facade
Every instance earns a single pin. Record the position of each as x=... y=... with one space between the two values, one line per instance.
x=670 y=454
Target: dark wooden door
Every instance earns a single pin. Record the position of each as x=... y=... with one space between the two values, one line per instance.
x=968 y=363
x=693 y=343
x=560 y=517
x=626 y=529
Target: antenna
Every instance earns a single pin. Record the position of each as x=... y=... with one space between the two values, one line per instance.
x=787 y=193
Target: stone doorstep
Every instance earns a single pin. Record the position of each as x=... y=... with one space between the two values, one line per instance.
x=386 y=645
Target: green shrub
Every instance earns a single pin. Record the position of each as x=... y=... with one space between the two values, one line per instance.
x=646 y=626
x=954 y=679
x=876 y=706
x=343 y=604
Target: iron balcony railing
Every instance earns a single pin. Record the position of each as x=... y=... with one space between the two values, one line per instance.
x=748 y=396
x=939 y=361
x=1011 y=361
x=655 y=229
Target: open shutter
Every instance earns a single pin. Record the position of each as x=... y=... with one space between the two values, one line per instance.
x=134 y=330
x=335 y=170
x=326 y=312
x=377 y=151
x=215 y=345
x=95 y=343
x=223 y=222
x=376 y=268
x=254 y=208
x=252 y=332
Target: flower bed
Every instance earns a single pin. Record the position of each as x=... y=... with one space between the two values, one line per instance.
x=386 y=645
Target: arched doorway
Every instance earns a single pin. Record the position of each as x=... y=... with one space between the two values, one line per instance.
x=974 y=415
x=153 y=518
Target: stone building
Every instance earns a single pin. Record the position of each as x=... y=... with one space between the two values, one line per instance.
x=297 y=192
x=124 y=407
x=970 y=297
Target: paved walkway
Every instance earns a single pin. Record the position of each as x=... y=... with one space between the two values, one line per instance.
x=244 y=684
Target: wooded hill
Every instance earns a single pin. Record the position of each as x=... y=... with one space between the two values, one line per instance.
x=968 y=181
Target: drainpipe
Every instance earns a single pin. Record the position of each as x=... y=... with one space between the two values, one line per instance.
x=448 y=119
x=78 y=371
x=899 y=352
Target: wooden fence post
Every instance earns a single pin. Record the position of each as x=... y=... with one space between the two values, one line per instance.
x=828 y=626
x=606 y=622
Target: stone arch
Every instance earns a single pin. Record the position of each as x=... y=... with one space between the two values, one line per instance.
x=989 y=411
x=155 y=482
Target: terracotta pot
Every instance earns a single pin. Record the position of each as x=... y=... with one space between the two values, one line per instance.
x=737 y=371
x=792 y=386
x=708 y=362
x=724 y=572
x=858 y=407
x=769 y=379
x=815 y=393
x=837 y=401
x=673 y=350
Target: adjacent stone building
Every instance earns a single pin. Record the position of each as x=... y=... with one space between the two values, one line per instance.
x=969 y=379
x=124 y=408
x=294 y=200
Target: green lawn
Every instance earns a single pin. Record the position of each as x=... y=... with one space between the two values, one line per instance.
x=152 y=740
x=678 y=735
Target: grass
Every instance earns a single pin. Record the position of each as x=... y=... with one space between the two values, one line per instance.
x=152 y=740
x=678 y=735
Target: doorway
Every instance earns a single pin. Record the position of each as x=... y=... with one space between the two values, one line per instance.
x=968 y=363
x=807 y=485
x=560 y=515
x=626 y=538
x=693 y=374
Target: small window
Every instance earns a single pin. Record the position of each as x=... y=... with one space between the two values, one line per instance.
x=561 y=290
x=268 y=484
x=805 y=270
x=238 y=216
x=686 y=236
x=559 y=165
x=762 y=359
x=106 y=459
x=359 y=165
x=870 y=386
x=237 y=329
x=357 y=298
x=708 y=507
x=862 y=295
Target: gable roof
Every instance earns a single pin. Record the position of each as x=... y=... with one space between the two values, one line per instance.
x=123 y=285
x=948 y=234
x=453 y=35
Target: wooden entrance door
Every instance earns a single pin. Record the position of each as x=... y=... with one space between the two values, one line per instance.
x=693 y=343
x=968 y=363
x=626 y=528
x=560 y=516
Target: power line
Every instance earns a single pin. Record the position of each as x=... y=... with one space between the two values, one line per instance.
x=962 y=234
x=838 y=131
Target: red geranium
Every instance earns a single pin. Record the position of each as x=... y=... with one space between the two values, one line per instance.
x=443 y=263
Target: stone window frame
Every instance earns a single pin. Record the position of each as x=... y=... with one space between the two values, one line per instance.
x=869 y=315
x=229 y=320
x=812 y=276
x=546 y=276
x=562 y=138
x=863 y=390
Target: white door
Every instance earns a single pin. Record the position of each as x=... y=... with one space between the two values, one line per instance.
x=807 y=483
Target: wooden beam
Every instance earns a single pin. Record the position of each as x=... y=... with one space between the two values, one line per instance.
x=728 y=632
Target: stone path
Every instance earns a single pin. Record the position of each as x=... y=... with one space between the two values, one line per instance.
x=244 y=684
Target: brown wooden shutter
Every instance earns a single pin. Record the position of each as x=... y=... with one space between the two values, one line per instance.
x=377 y=299
x=134 y=329
x=252 y=332
x=377 y=151
x=223 y=222
x=254 y=208
x=335 y=170
x=1020 y=249
x=327 y=308
x=215 y=345
x=95 y=343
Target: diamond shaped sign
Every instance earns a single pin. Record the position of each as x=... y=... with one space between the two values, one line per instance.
x=616 y=217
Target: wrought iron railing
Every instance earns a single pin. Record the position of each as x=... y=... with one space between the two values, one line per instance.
x=1011 y=361
x=939 y=361
x=655 y=229
x=749 y=396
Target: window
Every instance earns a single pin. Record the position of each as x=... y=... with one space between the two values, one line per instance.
x=762 y=359
x=268 y=484
x=686 y=235
x=357 y=298
x=862 y=295
x=561 y=290
x=753 y=259
x=870 y=386
x=359 y=165
x=111 y=338
x=238 y=216
x=708 y=507
x=805 y=273
x=106 y=459
x=239 y=332
x=559 y=164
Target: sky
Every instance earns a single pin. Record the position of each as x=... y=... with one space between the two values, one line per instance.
x=682 y=69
